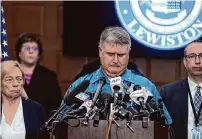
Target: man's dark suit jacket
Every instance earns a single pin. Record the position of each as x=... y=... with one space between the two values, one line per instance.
x=34 y=117
x=44 y=88
x=175 y=97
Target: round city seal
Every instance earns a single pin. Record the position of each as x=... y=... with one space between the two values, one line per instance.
x=161 y=24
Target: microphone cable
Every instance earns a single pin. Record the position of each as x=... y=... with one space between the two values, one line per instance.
x=110 y=123
x=171 y=132
x=109 y=127
x=71 y=125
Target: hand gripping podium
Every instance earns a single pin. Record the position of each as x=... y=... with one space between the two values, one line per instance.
x=153 y=131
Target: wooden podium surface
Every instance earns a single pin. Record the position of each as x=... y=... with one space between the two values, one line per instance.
x=123 y=132
x=154 y=131
x=88 y=132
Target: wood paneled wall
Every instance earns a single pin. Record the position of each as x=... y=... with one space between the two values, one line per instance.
x=46 y=20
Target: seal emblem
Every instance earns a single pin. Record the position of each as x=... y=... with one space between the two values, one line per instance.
x=161 y=24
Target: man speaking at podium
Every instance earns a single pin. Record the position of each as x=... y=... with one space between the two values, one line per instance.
x=114 y=48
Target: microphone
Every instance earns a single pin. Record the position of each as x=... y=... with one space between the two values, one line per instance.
x=140 y=95
x=136 y=87
x=122 y=113
x=162 y=115
x=79 y=100
x=94 y=111
x=153 y=104
x=149 y=107
x=155 y=114
x=90 y=114
x=131 y=113
x=84 y=108
x=126 y=110
x=101 y=83
x=106 y=99
x=82 y=96
x=83 y=99
x=132 y=110
x=139 y=98
x=69 y=99
x=116 y=85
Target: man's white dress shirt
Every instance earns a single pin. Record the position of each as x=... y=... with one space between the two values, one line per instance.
x=191 y=119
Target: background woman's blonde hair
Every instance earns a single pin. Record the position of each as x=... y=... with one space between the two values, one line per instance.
x=6 y=66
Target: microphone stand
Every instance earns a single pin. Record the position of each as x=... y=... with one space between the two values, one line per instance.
x=91 y=113
x=115 y=106
x=112 y=120
x=96 y=118
x=94 y=108
x=128 y=123
x=162 y=116
x=145 y=118
x=52 y=132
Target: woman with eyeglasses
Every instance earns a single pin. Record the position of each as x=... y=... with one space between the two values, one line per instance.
x=21 y=117
x=41 y=83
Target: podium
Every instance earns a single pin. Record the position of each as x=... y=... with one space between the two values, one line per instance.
x=154 y=131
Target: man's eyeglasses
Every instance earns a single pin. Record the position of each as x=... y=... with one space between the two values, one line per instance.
x=28 y=48
x=193 y=56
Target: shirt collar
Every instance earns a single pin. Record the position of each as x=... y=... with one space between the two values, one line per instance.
x=99 y=73
x=193 y=85
x=20 y=105
x=19 y=109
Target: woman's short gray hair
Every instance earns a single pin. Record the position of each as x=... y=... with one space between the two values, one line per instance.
x=115 y=35
x=8 y=65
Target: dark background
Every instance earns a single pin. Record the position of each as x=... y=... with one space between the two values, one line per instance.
x=83 y=24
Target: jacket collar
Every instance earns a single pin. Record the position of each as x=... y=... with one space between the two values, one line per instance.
x=184 y=89
x=126 y=76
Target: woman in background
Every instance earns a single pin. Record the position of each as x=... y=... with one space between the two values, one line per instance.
x=41 y=83
x=21 y=117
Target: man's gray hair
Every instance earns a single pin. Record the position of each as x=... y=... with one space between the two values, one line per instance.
x=115 y=35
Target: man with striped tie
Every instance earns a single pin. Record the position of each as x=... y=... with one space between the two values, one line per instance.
x=183 y=98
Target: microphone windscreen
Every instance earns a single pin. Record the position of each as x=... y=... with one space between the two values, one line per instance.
x=87 y=104
x=69 y=98
x=136 y=87
x=126 y=97
x=106 y=96
x=132 y=110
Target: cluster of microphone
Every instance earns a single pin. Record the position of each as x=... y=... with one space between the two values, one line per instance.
x=131 y=103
